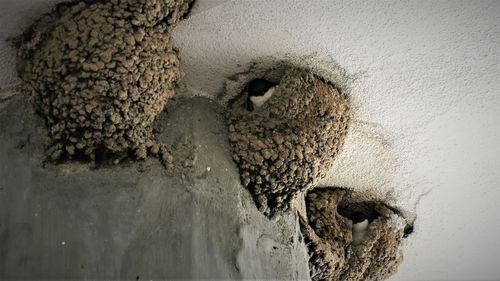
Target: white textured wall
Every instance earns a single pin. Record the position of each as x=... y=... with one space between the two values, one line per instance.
x=426 y=94
x=427 y=97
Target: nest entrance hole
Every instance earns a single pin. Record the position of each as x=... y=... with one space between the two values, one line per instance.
x=358 y=211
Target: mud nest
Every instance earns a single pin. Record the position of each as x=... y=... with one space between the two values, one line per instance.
x=328 y=234
x=288 y=144
x=100 y=72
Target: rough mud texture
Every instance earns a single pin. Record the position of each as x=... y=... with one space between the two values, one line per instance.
x=288 y=144
x=328 y=236
x=100 y=72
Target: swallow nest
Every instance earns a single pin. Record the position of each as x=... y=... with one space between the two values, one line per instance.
x=327 y=232
x=100 y=72
x=288 y=144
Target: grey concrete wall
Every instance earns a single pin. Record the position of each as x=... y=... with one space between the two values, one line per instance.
x=137 y=220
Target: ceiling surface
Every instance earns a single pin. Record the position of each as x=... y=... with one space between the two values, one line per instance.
x=425 y=89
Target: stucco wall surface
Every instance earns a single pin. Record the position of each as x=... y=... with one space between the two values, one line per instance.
x=425 y=89
x=426 y=97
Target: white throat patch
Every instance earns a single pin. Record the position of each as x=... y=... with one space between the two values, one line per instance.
x=359 y=231
x=258 y=101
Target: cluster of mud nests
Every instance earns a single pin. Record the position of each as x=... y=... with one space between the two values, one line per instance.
x=288 y=143
x=100 y=72
x=285 y=135
x=351 y=238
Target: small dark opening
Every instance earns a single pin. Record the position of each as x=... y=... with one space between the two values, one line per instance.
x=358 y=211
x=256 y=87
x=272 y=202
x=408 y=230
